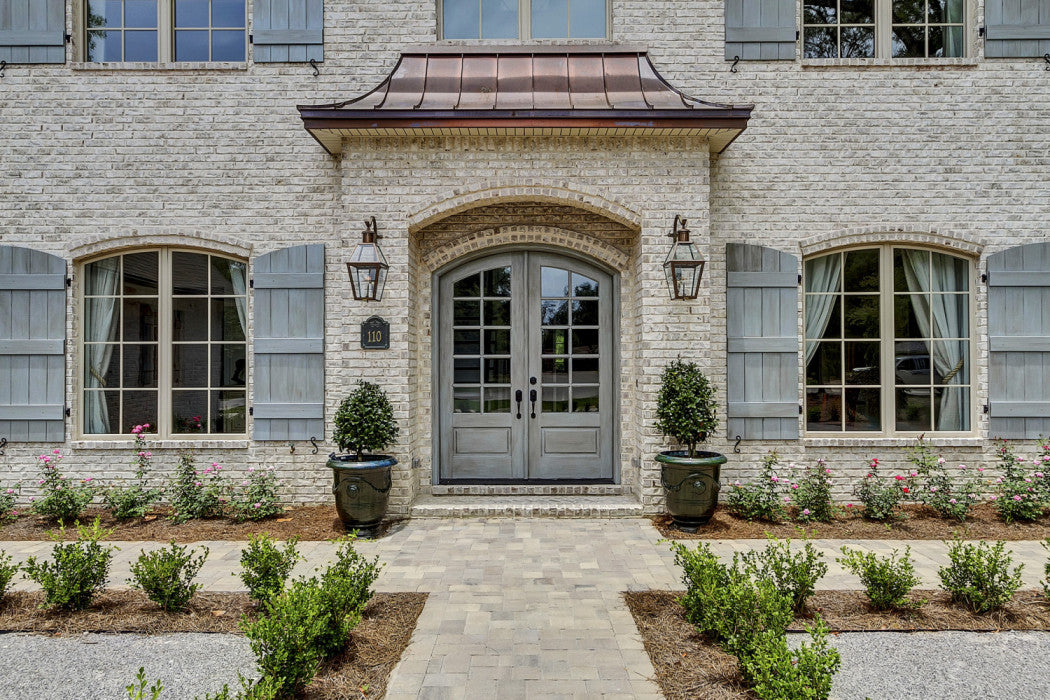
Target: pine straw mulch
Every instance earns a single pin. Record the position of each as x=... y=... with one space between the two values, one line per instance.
x=688 y=667
x=308 y=523
x=361 y=671
x=920 y=523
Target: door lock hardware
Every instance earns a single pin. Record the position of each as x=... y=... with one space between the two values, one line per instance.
x=532 y=380
x=532 y=400
x=517 y=398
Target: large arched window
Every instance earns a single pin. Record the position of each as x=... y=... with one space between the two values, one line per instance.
x=163 y=342
x=888 y=342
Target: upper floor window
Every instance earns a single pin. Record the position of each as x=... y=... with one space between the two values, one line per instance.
x=165 y=30
x=164 y=342
x=888 y=341
x=524 y=19
x=884 y=28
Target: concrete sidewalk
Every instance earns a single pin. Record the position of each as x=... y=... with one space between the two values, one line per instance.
x=528 y=607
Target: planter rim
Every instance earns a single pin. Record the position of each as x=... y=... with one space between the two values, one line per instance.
x=346 y=461
x=679 y=457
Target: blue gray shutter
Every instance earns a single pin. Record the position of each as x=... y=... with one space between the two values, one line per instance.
x=762 y=342
x=1016 y=28
x=33 y=31
x=288 y=31
x=32 y=345
x=761 y=30
x=1019 y=342
x=288 y=345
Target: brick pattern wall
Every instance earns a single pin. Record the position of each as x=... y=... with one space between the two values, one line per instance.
x=98 y=158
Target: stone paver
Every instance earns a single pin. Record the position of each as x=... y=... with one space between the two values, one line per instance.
x=528 y=607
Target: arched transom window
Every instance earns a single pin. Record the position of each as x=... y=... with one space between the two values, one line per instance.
x=888 y=341
x=164 y=342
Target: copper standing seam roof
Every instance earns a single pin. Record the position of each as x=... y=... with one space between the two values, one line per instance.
x=534 y=90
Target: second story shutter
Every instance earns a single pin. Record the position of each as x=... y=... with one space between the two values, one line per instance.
x=761 y=30
x=32 y=345
x=33 y=31
x=762 y=343
x=288 y=345
x=1019 y=342
x=288 y=31
x=1016 y=29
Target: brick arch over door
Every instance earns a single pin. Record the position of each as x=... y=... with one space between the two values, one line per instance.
x=502 y=193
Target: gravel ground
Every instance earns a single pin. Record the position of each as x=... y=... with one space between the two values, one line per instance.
x=100 y=666
x=942 y=665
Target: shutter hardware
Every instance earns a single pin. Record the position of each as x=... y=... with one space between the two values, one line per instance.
x=69 y=412
x=251 y=283
x=800 y=409
x=986 y=408
x=980 y=32
x=251 y=410
x=3 y=64
x=69 y=281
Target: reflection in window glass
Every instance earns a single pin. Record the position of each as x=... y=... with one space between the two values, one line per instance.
x=210 y=30
x=838 y=28
x=121 y=30
x=548 y=19
x=481 y=342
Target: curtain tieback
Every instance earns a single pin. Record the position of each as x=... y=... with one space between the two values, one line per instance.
x=948 y=377
x=98 y=377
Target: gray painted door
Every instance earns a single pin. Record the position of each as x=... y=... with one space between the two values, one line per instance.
x=533 y=326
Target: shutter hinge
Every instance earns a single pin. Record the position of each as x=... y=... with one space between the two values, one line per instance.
x=69 y=412
x=251 y=410
x=69 y=281
x=800 y=409
x=798 y=35
x=984 y=278
x=800 y=280
x=251 y=38
x=980 y=32
x=987 y=408
x=251 y=283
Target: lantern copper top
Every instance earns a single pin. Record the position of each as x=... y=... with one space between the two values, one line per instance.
x=522 y=91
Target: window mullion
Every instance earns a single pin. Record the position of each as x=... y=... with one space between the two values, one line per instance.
x=886 y=331
x=883 y=28
x=164 y=352
x=165 y=30
x=525 y=19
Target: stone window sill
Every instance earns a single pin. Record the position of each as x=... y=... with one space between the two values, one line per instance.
x=969 y=62
x=960 y=441
x=110 y=444
x=151 y=66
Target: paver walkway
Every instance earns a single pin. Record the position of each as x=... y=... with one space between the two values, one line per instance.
x=528 y=607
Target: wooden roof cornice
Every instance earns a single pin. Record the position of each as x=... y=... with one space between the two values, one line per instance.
x=526 y=91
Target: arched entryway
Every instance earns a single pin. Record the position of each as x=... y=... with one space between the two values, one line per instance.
x=525 y=359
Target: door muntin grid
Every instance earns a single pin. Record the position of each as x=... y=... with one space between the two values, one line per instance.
x=570 y=339
x=481 y=342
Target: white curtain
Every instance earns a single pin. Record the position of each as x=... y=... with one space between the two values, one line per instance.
x=822 y=276
x=953 y=36
x=948 y=321
x=238 y=276
x=103 y=284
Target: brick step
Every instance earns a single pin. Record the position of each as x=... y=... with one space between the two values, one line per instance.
x=530 y=490
x=527 y=505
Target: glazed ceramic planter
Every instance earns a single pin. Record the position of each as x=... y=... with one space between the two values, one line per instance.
x=362 y=490
x=691 y=486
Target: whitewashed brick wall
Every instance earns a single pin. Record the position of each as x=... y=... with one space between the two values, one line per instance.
x=96 y=158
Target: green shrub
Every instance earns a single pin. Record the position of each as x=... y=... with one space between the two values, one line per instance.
x=7 y=572
x=685 y=406
x=166 y=575
x=812 y=494
x=979 y=575
x=141 y=691
x=8 y=502
x=724 y=602
x=1046 y=571
x=261 y=689
x=347 y=587
x=1020 y=496
x=887 y=580
x=364 y=421
x=881 y=498
x=135 y=500
x=290 y=639
x=256 y=498
x=79 y=569
x=265 y=567
x=775 y=672
x=195 y=494
x=62 y=500
x=794 y=575
x=764 y=499
x=951 y=497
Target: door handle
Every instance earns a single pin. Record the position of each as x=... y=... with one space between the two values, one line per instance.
x=517 y=397
x=532 y=400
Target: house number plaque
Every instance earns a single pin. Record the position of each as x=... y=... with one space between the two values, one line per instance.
x=375 y=334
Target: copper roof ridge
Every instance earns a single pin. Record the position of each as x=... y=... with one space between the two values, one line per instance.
x=489 y=48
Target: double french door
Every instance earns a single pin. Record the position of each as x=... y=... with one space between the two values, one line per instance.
x=525 y=364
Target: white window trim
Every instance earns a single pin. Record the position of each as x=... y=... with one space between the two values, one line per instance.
x=525 y=27
x=887 y=357
x=884 y=42
x=165 y=40
x=164 y=356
